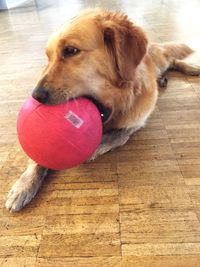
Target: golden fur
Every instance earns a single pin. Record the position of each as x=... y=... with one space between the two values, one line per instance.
x=116 y=65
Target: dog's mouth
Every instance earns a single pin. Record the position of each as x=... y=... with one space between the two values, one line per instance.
x=43 y=97
x=104 y=111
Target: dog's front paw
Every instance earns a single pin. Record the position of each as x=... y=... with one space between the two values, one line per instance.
x=20 y=195
x=26 y=187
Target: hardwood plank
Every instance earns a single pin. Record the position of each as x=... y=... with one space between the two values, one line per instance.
x=17 y=261
x=76 y=245
x=164 y=261
x=82 y=224
x=163 y=196
x=15 y=246
x=80 y=262
x=159 y=226
x=21 y=225
x=150 y=249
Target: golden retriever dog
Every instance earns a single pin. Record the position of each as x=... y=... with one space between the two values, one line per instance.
x=104 y=56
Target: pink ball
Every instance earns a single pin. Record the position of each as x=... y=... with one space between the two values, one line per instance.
x=61 y=136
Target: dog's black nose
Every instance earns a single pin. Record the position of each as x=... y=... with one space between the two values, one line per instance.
x=41 y=94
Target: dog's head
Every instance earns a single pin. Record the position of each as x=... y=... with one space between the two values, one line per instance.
x=95 y=55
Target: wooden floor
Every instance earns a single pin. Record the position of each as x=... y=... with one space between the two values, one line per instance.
x=138 y=206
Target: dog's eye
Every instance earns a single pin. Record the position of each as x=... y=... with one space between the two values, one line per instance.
x=69 y=51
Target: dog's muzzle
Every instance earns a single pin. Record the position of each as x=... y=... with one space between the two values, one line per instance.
x=41 y=94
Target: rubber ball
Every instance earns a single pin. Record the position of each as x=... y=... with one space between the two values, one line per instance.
x=59 y=136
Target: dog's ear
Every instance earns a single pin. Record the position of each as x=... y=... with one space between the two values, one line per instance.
x=127 y=44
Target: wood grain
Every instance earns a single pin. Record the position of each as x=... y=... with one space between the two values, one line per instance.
x=79 y=262
x=138 y=206
x=158 y=261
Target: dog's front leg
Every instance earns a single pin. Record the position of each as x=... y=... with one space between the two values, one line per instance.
x=26 y=187
x=111 y=140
